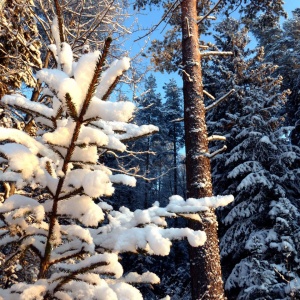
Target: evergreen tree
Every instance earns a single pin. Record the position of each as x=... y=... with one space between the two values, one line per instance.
x=281 y=47
x=173 y=112
x=259 y=238
x=61 y=220
x=150 y=110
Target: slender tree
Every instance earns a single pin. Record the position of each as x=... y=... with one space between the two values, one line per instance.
x=208 y=283
x=173 y=111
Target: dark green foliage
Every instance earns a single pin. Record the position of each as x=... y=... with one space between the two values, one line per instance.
x=258 y=230
x=282 y=48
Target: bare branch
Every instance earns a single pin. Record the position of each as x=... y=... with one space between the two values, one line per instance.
x=216 y=138
x=209 y=95
x=217 y=102
x=171 y=9
x=178 y=120
x=219 y=53
x=211 y=155
x=210 y=12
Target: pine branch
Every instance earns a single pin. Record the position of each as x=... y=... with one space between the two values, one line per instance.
x=111 y=88
x=44 y=266
x=26 y=110
x=71 y=107
x=60 y=21
x=49 y=168
x=95 y=79
x=73 y=274
x=58 y=115
x=73 y=193
x=138 y=136
x=74 y=255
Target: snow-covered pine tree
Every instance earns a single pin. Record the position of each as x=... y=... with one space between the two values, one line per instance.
x=281 y=44
x=260 y=230
x=60 y=216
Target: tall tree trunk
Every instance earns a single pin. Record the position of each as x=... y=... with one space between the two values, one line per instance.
x=204 y=261
x=175 y=159
x=147 y=184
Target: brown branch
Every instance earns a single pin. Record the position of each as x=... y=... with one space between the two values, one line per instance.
x=37 y=89
x=67 y=257
x=138 y=136
x=73 y=193
x=171 y=9
x=23 y=42
x=27 y=110
x=73 y=274
x=210 y=12
x=88 y=33
x=111 y=88
x=217 y=102
x=95 y=79
x=60 y=21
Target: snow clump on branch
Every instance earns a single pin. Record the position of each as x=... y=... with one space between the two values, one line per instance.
x=60 y=215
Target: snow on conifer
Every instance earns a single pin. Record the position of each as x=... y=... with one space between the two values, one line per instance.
x=259 y=231
x=60 y=215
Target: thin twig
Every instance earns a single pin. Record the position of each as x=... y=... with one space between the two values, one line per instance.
x=217 y=102
x=173 y=6
x=209 y=95
x=210 y=12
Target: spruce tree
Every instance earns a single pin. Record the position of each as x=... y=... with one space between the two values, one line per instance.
x=150 y=110
x=281 y=47
x=259 y=238
x=173 y=112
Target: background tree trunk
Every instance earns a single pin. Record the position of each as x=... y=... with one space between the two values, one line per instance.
x=204 y=261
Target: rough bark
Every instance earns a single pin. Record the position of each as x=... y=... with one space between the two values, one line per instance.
x=204 y=261
x=175 y=159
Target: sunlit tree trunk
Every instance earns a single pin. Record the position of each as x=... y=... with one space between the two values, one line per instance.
x=175 y=159
x=204 y=261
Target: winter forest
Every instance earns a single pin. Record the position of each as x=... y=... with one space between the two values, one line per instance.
x=149 y=160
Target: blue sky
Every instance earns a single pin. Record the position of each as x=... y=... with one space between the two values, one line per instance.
x=290 y=5
x=150 y=18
